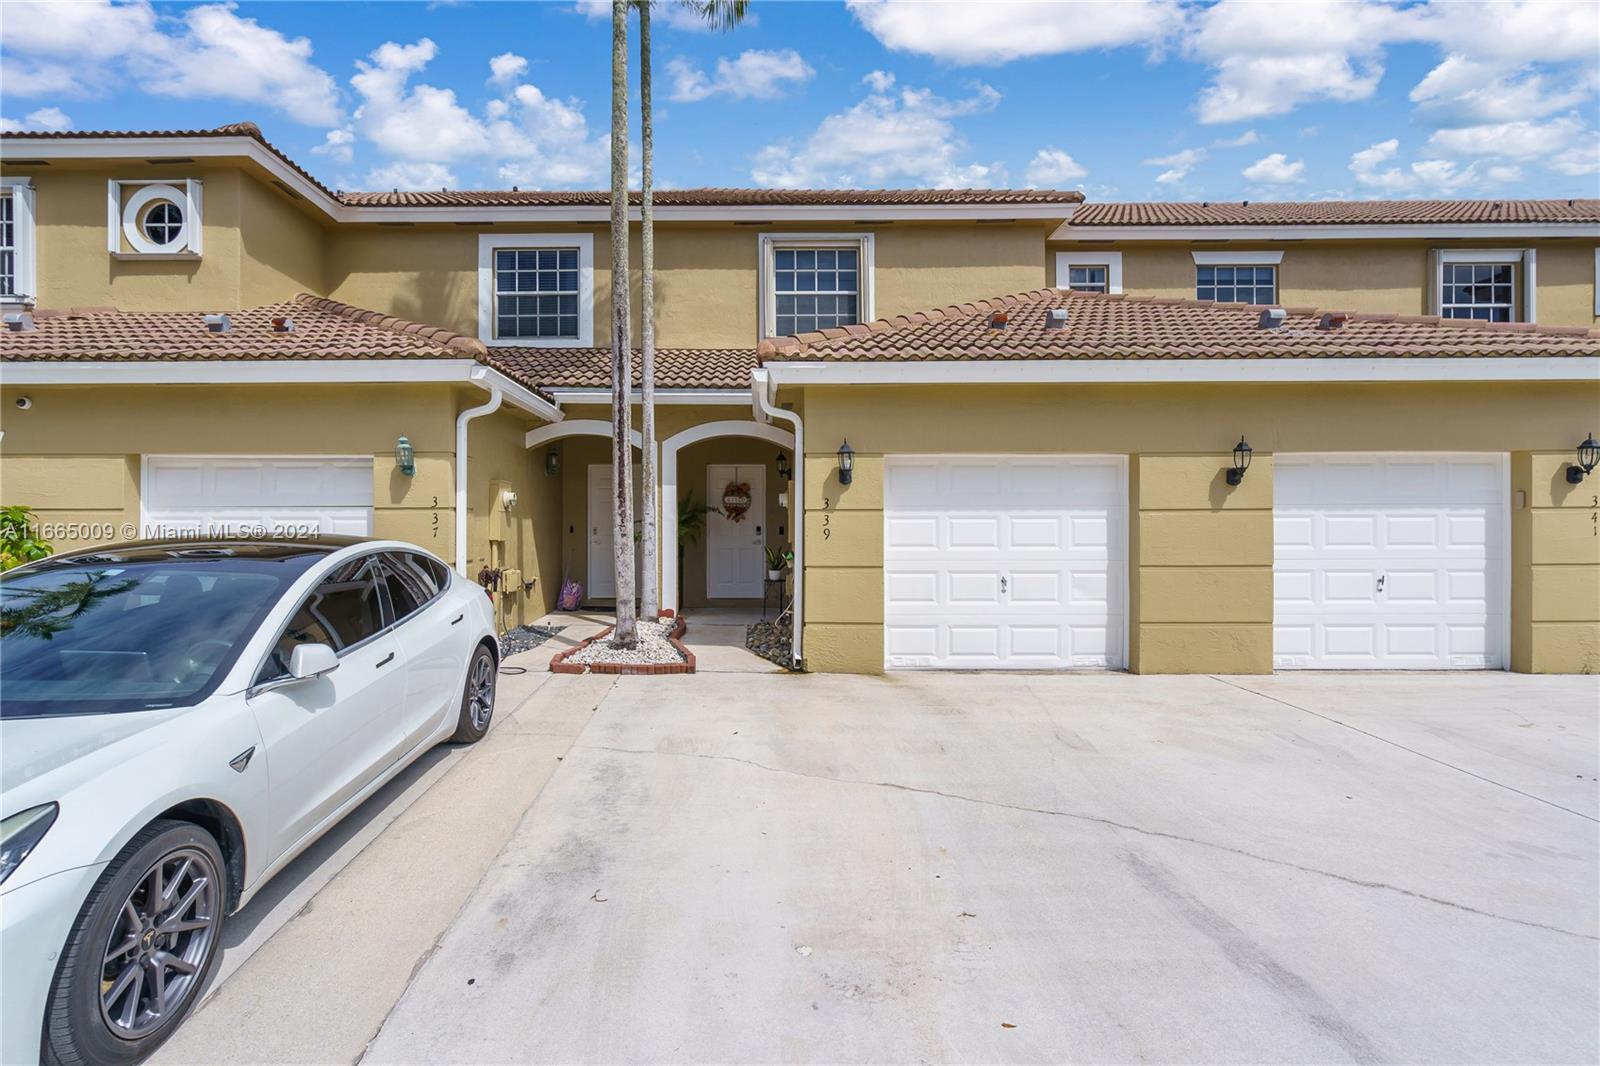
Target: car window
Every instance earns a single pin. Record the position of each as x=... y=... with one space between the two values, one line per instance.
x=412 y=582
x=342 y=611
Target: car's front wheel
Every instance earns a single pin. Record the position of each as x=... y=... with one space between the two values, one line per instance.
x=141 y=949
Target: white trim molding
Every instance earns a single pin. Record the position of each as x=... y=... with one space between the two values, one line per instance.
x=1112 y=261
x=1526 y=258
x=575 y=427
x=125 y=236
x=25 y=271
x=489 y=243
x=667 y=397
x=768 y=243
x=1186 y=371
x=1241 y=258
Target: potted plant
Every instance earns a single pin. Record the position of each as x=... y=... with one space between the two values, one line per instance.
x=691 y=520
x=778 y=560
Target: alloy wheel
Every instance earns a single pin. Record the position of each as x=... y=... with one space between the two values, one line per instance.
x=159 y=943
x=480 y=691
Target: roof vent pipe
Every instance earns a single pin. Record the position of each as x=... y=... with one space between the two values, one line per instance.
x=282 y=324
x=1272 y=318
x=1334 y=320
x=20 y=322
x=998 y=319
x=1055 y=318
x=218 y=323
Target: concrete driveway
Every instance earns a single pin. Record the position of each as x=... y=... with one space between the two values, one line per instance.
x=757 y=868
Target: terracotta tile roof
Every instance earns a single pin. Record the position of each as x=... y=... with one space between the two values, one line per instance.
x=1124 y=327
x=323 y=329
x=714 y=197
x=1334 y=212
x=590 y=368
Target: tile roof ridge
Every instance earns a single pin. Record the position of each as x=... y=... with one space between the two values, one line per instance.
x=443 y=337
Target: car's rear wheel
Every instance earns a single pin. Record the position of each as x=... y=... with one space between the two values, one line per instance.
x=477 y=701
x=141 y=949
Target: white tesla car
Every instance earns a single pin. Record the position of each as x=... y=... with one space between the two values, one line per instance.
x=177 y=722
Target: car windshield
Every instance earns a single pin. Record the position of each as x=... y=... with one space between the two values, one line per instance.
x=136 y=631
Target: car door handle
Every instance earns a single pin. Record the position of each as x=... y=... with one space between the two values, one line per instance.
x=385 y=661
x=457 y=618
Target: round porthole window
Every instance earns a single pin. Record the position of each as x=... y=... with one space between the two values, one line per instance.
x=153 y=220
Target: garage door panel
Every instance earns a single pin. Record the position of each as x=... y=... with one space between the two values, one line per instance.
x=234 y=495
x=1389 y=562
x=1018 y=557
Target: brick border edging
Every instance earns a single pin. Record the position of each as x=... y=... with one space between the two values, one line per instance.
x=559 y=664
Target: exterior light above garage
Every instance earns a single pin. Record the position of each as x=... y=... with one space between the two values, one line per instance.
x=552 y=462
x=1241 y=462
x=1588 y=457
x=405 y=456
x=847 y=462
x=784 y=474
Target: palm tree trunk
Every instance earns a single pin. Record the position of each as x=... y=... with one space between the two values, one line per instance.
x=649 y=576
x=626 y=633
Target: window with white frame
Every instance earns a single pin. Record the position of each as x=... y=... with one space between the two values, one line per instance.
x=1089 y=271
x=1484 y=291
x=814 y=282
x=16 y=241
x=1087 y=278
x=1237 y=277
x=154 y=219
x=536 y=290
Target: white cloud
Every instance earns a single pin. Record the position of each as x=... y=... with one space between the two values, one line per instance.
x=880 y=81
x=904 y=136
x=753 y=74
x=207 y=51
x=1512 y=140
x=1464 y=91
x=1053 y=168
x=1275 y=169
x=506 y=68
x=1503 y=174
x=1000 y=31
x=1576 y=162
x=1366 y=164
x=1248 y=137
x=411 y=176
x=1444 y=175
x=46 y=118
x=1515 y=31
x=1178 y=164
x=338 y=145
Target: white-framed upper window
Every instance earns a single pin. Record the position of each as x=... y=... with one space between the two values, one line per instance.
x=1089 y=271
x=536 y=290
x=814 y=281
x=17 y=275
x=154 y=218
x=1237 y=277
x=1491 y=285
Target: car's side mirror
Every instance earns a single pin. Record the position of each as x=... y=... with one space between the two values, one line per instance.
x=311 y=660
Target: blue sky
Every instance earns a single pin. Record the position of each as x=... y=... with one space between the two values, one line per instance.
x=1141 y=99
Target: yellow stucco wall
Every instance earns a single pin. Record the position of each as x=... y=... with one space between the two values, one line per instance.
x=1351 y=275
x=528 y=536
x=257 y=246
x=1200 y=592
x=1556 y=566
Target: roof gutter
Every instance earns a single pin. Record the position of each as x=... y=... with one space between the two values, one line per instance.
x=762 y=395
x=1323 y=231
x=1577 y=368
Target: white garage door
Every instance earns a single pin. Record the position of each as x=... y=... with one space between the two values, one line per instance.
x=1013 y=562
x=240 y=494
x=1389 y=562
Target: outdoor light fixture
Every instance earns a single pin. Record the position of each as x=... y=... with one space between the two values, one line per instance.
x=552 y=462
x=1241 y=462
x=847 y=462
x=783 y=467
x=1588 y=456
x=405 y=457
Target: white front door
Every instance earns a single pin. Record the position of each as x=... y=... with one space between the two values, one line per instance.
x=296 y=495
x=736 y=558
x=1004 y=562
x=1389 y=562
x=602 y=532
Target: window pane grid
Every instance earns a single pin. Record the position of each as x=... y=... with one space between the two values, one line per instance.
x=1478 y=290
x=1086 y=278
x=8 y=246
x=816 y=288
x=163 y=222
x=536 y=293
x=1237 y=284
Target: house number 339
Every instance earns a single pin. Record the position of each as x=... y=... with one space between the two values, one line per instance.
x=827 y=524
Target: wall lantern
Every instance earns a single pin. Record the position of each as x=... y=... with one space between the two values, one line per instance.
x=1241 y=462
x=847 y=462
x=552 y=462
x=405 y=457
x=1588 y=456
x=784 y=473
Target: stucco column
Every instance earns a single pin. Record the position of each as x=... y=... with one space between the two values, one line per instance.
x=1555 y=566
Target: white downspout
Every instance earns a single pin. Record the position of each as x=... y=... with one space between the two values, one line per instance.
x=495 y=396
x=765 y=411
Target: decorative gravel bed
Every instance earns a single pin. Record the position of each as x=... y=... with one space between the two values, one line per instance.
x=657 y=651
x=526 y=638
x=771 y=641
